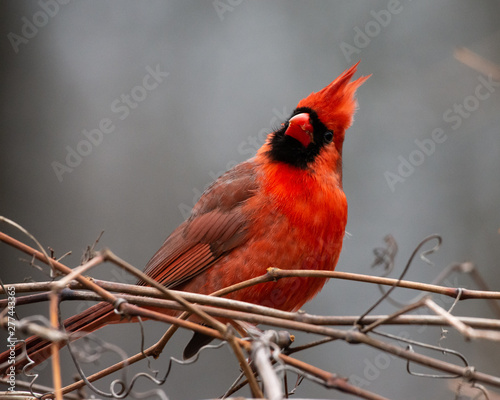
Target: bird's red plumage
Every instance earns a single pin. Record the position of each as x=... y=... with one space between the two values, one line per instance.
x=263 y=213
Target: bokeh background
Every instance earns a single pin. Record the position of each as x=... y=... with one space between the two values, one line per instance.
x=236 y=69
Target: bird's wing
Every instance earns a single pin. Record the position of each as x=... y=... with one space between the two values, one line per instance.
x=216 y=226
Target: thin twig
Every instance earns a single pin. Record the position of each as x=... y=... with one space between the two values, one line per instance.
x=465 y=330
x=391 y=317
x=58 y=266
x=254 y=386
x=56 y=362
x=39 y=388
x=274 y=274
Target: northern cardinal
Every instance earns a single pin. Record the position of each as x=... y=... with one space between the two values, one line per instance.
x=283 y=208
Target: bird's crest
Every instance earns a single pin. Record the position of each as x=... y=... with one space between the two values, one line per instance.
x=336 y=103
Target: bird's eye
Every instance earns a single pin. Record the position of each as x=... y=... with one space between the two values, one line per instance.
x=328 y=136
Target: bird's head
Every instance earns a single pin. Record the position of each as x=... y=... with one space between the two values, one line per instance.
x=315 y=131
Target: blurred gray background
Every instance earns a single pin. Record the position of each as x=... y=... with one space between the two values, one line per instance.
x=236 y=69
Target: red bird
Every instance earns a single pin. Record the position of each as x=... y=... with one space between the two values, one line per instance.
x=283 y=208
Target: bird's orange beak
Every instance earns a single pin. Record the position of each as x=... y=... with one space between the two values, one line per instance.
x=300 y=128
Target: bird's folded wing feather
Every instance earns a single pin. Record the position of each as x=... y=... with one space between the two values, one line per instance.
x=216 y=226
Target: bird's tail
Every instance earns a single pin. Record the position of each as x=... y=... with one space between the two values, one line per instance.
x=39 y=349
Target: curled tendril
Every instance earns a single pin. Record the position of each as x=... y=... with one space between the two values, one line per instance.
x=119 y=389
x=197 y=355
x=405 y=270
x=24 y=354
x=482 y=390
x=435 y=376
x=439 y=349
